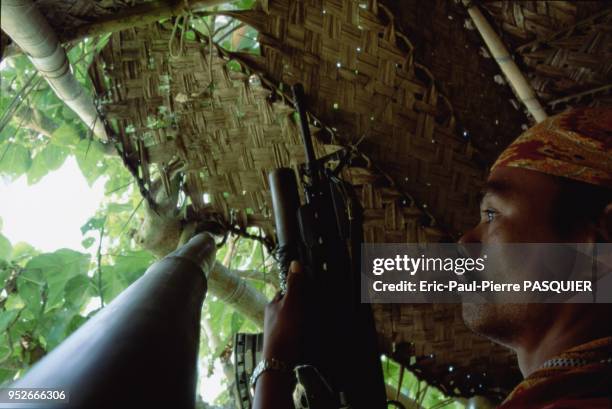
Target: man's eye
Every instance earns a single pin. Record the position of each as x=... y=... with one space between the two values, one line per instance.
x=489 y=215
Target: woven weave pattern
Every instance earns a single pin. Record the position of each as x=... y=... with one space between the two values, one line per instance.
x=360 y=75
x=225 y=132
x=435 y=344
x=454 y=55
x=528 y=20
x=568 y=52
x=572 y=62
x=191 y=110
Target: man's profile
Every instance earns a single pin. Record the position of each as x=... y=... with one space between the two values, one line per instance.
x=552 y=185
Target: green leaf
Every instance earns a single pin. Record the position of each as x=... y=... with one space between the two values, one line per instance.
x=78 y=291
x=68 y=114
x=47 y=160
x=119 y=207
x=5 y=271
x=127 y=268
x=5 y=351
x=95 y=223
x=88 y=242
x=23 y=250
x=90 y=158
x=237 y=321
x=65 y=135
x=14 y=302
x=6 y=318
x=29 y=286
x=54 y=326
x=244 y=4
x=102 y=41
x=5 y=248
x=6 y=372
x=133 y=264
x=14 y=160
x=56 y=269
x=1 y=223
x=234 y=66
x=113 y=282
x=75 y=323
x=118 y=182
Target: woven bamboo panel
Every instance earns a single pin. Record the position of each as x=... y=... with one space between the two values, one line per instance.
x=574 y=61
x=526 y=21
x=565 y=47
x=435 y=344
x=225 y=130
x=361 y=76
x=191 y=110
x=454 y=55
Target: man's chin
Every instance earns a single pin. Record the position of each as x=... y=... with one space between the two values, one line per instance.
x=473 y=316
x=494 y=321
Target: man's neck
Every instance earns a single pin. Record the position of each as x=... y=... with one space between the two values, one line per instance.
x=561 y=336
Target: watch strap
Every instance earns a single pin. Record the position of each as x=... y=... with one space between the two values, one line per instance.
x=270 y=364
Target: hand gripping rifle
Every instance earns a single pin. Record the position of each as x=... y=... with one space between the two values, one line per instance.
x=325 y=235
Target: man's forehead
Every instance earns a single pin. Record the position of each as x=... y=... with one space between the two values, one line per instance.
x=501 y=181
x=507 y=181
x=497 y=187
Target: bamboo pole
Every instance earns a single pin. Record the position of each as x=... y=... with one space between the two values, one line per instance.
x=137 y=16
x=236 y=292
x=500 y=53
x=23 y=22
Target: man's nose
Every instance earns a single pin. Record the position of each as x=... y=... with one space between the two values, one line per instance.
x=469 y=244
x=471 y=236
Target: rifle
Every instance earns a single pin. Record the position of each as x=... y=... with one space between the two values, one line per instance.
x=325 y=235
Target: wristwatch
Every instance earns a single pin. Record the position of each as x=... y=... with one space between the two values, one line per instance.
x=267 y=365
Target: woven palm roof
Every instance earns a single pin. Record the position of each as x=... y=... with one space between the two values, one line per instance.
x=562 y=47
x=226 y=137
x=404 y=84
x=565 y=48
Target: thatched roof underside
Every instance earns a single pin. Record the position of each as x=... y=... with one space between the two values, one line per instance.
x=226 y=136
x=562 y=47
x=406 y=84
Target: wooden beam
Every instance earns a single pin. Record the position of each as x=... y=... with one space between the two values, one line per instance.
x=500 y=54
x=137 y=16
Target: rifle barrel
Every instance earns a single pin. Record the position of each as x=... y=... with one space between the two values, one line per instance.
x=299 y=99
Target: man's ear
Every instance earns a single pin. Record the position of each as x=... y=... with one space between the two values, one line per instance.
x=605 y=224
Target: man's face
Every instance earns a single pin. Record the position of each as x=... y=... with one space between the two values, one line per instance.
x=517 y=207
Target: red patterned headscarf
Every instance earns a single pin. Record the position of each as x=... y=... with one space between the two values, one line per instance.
x=575 y=144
